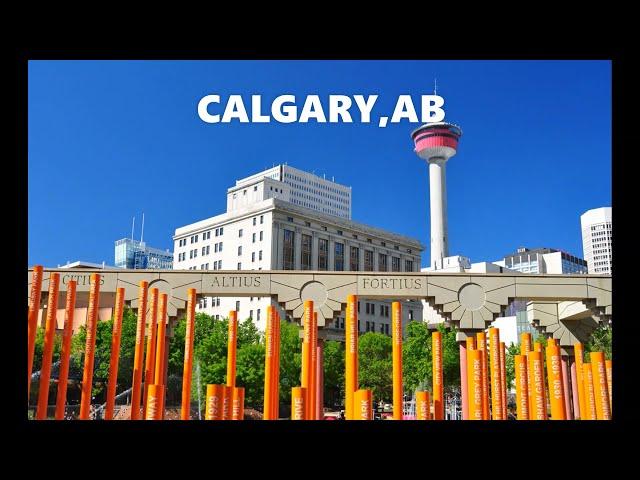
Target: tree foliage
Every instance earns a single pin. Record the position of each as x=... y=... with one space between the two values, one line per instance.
x=600 y=341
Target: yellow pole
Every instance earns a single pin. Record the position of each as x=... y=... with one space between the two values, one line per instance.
x=554 y=379
x=396 y=326
x=306 y=354
x=438 y=390
x=474 y=382
x=589 y=394
x=578 y=350
x=503 y=381
x=214 y=401
x=47 y=350
x=237 y=408
x=609 y=365
x=362 y=401
x=90 y=346
x=63 y=375
x=351 y=354
x=538 y=405
x=185 y=411
x=494 y=360
x=32 y=320
x=150 y=359
x=600 y=388
x=423 y=406
x=139 y=351
x=522 y=396
x=298 y=409
x=481 y=341
x=267 y=408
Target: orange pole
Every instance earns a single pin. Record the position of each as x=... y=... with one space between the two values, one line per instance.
x=154 y=403
x=114 y=358
x=556 y=387
x=215 y=397
x=474 y=382
x=227 y=399
x=306 y=354
x=600 y=388
x=481 y=341
x=522 y=390
x=362 y=401
x=396 y=332
x=237 y=406
x=267 y=408
x=63 y=376
x=551 y=342
x=537 y=347
x=538 y=407
x=525 y=344
x=298 y=395
x=150 y=358
x=32 y=320
x=185 y=411
x=90 y=346
x=47 y=351
x=438 y=388
x=494 y=360
x=312 y=393
x=139 y=351
x=609 y=366
x=589 y=393
x=160 y=353
x=275 y=404
x=503 y=381
x=578 y=350
x=231 y=348
x=471 y=343
x=423 y=406
x=351 y=355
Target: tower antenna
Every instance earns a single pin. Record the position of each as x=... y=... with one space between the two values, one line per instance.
x=435 y=86
x=142 y=234
x=133 y=224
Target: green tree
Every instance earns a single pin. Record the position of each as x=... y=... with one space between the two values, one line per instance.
x=290 y=360
x=375 y=362
x=600 y=341
x=509 y=360
x=39 y=347
x=450 y=358
x=333 y=373
x=417 y=358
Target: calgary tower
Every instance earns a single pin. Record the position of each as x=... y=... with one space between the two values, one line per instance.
x=436 y=143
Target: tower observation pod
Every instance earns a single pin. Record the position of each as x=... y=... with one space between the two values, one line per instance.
x=436 y=143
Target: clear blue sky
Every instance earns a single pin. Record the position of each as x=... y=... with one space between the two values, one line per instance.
x=111 y=139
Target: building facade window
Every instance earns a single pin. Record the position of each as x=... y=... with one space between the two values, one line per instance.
x=306 y=252
x=237 y=305
x=288 y=249
x=354 y=260
x=368 y=260
x=240 y=233
x=323 y=252
x=240 y=250
x=395 y=264
x=382 y=263
x=408 y=265
x=338 y=258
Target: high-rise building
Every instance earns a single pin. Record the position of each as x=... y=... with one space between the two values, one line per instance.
x=596 y=239
x=545 y=260
x=268 y=227
x=131 y=253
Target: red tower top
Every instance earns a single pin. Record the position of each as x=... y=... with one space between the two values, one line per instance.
x=436 y=140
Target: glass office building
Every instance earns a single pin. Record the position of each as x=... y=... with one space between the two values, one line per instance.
x=134 y=254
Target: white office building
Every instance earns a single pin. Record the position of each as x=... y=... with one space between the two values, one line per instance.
x=286 y=219
x=545 y=260
x=596 y=239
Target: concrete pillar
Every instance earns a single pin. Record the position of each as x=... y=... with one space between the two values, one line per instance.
x=331 y=255
x=360 y=257
x=314 y=251
x=376 y=258
x=463 y=380
x=565 y=383
x=438 y=205
x=320 y=379
x=297 y=250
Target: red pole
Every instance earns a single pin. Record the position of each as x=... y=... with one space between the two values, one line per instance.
x=63 y=376
x=90 y=346
x=47 y=353
x=32 y=320
x=115 y=354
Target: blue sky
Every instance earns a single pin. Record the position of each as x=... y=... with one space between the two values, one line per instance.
x=111 y=139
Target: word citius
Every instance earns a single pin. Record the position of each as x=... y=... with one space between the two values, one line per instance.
x=336 y=109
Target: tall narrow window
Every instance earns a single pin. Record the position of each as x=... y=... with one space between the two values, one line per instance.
x=306 y=252
x=408 y=265
x=354 y=260
x=368 y=260
x=288 y=250
x=323 y=251
x=338 y=260
x=382 y=263
x=395 y=264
